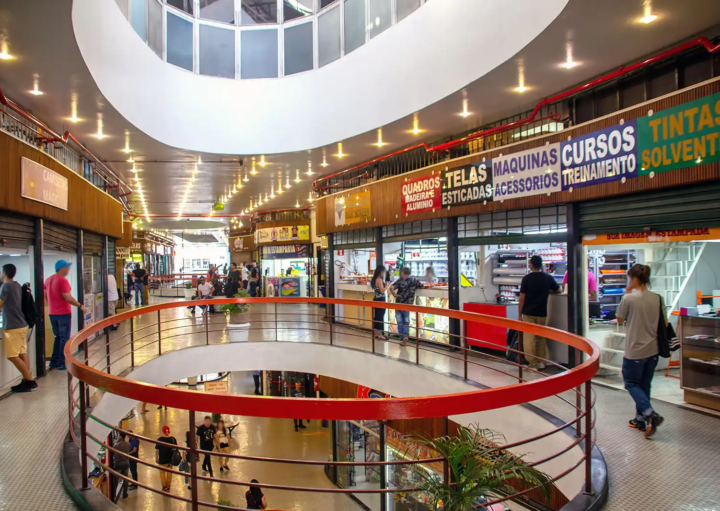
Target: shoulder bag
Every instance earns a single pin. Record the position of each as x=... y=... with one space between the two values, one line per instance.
x=666 y=336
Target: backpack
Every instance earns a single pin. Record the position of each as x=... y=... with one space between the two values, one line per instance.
x=27 y=303
x=176 y=458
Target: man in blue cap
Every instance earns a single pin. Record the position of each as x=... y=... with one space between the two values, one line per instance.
x=59 y=301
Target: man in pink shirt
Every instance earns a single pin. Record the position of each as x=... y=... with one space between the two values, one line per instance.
x=59 y=301
x=592 y=286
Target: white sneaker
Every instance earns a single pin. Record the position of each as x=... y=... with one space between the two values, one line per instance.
x=541 y=366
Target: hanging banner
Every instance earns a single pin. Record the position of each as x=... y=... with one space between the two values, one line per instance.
x=287 y=233
x=532 y=172
x=353 y=208
x=286 y=251
x=680 y=136
x=41 y=184
x=599 y=157
x=421 y=194
x=467 y=184
x=653 y=236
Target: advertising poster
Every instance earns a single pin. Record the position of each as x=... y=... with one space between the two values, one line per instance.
x=680 y=136
x=286 y=252
x=357 y=208
x=272 y=284
x=98 y=308
x=285 y=233
x=467 y=184
x=600 y=157
x=532 y=172
x=237 y=244
x=421 y=194
x=289 y=287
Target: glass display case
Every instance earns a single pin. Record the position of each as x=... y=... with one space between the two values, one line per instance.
x=700 y=360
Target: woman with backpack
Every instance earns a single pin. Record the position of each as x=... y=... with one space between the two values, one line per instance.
x=254 y=497
x=641 y=311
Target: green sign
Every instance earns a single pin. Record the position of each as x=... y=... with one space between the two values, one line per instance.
x=681 y=136
x=218 y=206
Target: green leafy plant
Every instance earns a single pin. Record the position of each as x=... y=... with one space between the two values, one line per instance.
x=477 y=470
x=188 y=284
x=236 y=308
x=223 y=502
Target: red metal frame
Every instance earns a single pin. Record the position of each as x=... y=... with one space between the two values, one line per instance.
x=621 y=71
x=374 y=409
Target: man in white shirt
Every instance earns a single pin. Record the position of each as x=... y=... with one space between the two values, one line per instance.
x=113 y=298
x=205 y=289
x=245 y=274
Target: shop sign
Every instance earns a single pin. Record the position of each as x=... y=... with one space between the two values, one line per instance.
x=122 y=252
x=353 y=208
x=137 y=258
x=217 y=387
x=653 y=236
x=287 y=233
x=41 y=184
x=680 y=136
x=237 y=245
x=421 y=194
x=532 y=172
x=599 y=157
x=467 y=184
x=286 y=251
x=218 y=206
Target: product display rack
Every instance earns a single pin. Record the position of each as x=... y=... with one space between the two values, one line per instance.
x=421 y=254
x=610 y=268
x=700 y=360
x=468 y=267
x=511 y=265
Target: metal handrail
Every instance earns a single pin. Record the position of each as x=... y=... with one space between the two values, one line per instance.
x=570 y=380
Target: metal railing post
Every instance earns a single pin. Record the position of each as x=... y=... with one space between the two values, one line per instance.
x=372 y=336
x=588 y=438
x=578 y=399
x=192 y=460
x=107 y=349
x=520 y=357
x=465 y=360
x=446 y=468
x=331 y=331
x=159 y=335
x=83 y=437
x=276 y=322
x=207 y=328
x=132 y=342
x=417 y=340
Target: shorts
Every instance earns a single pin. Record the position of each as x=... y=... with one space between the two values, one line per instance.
x=223 y=446
x=16 y=342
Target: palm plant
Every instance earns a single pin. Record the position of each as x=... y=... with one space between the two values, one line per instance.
x=477 y=470
x=236 y=308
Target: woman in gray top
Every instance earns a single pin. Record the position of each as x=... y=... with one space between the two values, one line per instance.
x=640 y=311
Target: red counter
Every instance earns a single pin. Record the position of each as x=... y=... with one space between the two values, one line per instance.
x=486 y=336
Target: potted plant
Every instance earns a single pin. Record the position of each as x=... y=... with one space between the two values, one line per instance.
x=237 y=327
x=189 y=290
x=223 y=502
x=478 y=471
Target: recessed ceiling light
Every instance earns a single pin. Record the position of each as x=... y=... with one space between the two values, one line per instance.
x=520 y=89
x=36 y=92
x=287 y=183
x=648 y=18
x=569 y=61
x=324 y=163
x=416 y=126
x=262 y=161
x=4 y=55
x=465 y=112
x=340 y=153
x=297 y=175
x=297 y=204
x=380 y=142
x=74 y=118
x=131 y=160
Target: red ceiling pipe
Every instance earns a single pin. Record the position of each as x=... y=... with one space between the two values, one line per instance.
x=621 y=71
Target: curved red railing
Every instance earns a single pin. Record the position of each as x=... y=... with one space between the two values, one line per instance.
x=621 y=71
x=92 y=363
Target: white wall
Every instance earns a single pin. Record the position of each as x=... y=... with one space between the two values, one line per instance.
x=215 y=253
x=306 y=110
x=388 y=375
x=706 y=276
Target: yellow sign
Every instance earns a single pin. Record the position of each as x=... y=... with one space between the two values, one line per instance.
x=352 y=208
x=217 y=387
x=653 y=236
x=287 y=233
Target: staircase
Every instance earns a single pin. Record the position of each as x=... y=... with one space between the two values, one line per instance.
x=672 y=266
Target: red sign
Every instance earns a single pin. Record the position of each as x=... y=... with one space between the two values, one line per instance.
x=422 y=194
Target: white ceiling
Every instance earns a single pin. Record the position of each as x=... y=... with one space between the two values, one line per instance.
x=603 y=35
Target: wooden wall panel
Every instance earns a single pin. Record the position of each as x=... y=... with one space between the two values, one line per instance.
x=88 y=207
x=126 y=240
x=338 y=389
x=385 y=194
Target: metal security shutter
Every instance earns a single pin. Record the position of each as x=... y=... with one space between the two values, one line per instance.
x=17 y=228
x=111 y=256
x=58 y=237
x=360 y=238
x=92 y=244
x=675 y=208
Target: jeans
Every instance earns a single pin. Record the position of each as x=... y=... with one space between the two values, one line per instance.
x=637 y=376
x=253 y=289
x=207 y=463
x=124 y=471
x=403 y=321
x=204 y=307
x=379 y=317
x=140 y=293
x=257 y=378
x=133 y=469
x=61 y=328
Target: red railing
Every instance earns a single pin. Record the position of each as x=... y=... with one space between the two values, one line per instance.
x=98 y=362
x=613 y=75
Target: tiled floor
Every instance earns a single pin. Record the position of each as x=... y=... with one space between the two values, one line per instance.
x=676 y=470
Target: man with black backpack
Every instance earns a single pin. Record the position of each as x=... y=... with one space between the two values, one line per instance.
x=16 y=328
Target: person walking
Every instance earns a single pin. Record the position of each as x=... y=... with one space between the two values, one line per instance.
x=244 y=274
x=535 y=288
x=128 y=286
x=122 y=463
x=378 y=285
x=297 y=392
x=163 y=457
x=254 y=498
x=253 y=282
x=222 y=444
x=15 y=328
x=257 y=378
x=113 y=298
x=59 y=301
x=134 y=451
x=139 y=275
x=234 y=275
x=206 y=434
x=403 y=289
x=640 y=311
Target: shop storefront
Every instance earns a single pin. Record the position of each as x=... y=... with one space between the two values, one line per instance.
x=354 y=259
x=285 y=270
